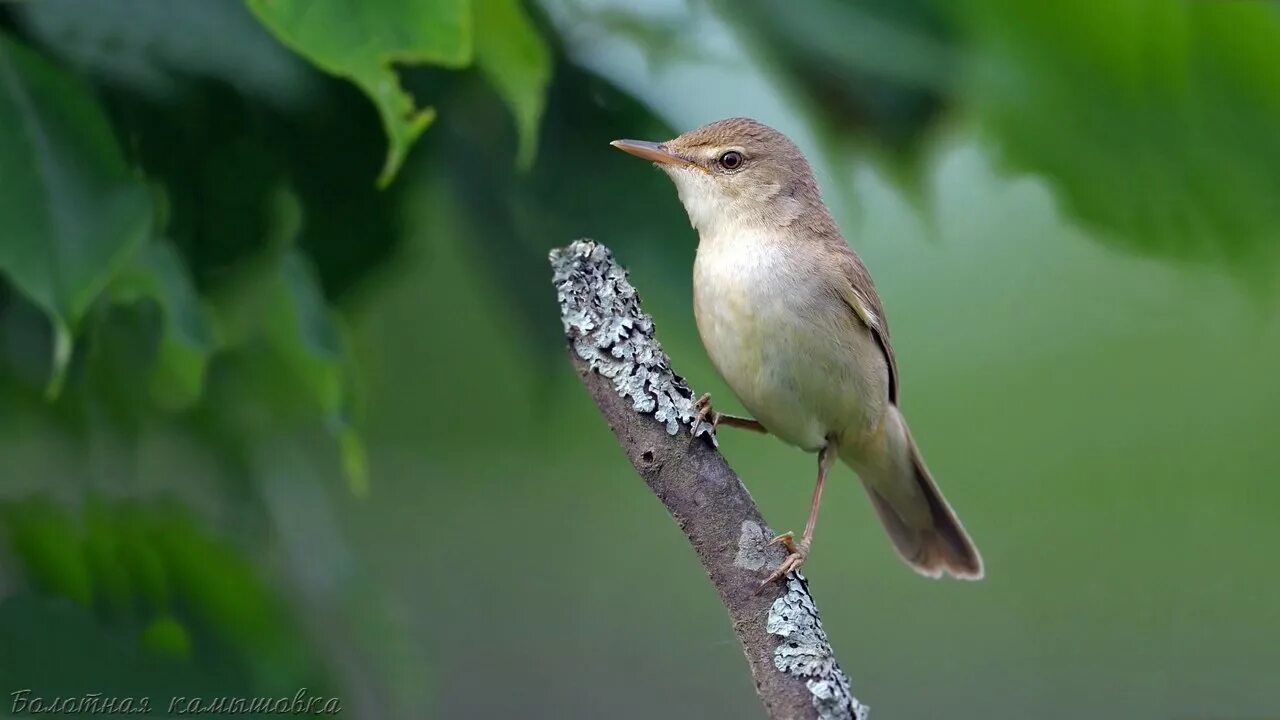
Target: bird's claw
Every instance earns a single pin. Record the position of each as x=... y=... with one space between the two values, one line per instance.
x=796 y=555
x=704 y=415
x=786 y=540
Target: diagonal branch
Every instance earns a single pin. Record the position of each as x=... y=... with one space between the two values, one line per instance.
x=650 y=409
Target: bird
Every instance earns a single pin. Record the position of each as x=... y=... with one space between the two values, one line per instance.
x=791 y=320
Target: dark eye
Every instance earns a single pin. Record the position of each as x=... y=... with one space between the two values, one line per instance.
x=731 y=160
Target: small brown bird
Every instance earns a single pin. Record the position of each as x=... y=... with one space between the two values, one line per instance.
x=791 y=320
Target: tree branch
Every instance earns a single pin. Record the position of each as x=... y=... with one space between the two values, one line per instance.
x=650 y=409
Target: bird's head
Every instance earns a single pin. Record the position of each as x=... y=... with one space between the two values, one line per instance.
x=733 y=171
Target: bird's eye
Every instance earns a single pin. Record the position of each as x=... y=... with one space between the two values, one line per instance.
x=731 y=160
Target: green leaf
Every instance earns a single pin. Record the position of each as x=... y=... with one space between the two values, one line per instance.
x=115 y=589
x=186 y=340
x=48 y=542
x=141 y=559
x=157 y=47
x=290 y=363
x=220 y=113
x=355 y=460
x=26 y=340
x=515 y=58
x=302 y=329
x=1155 y=122
x=360 y=39
x=226 y=592
x=167 y=636
x=71 y=212
x=306 y=335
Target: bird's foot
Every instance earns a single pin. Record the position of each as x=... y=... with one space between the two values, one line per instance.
x=704 y=415
x=796 y=555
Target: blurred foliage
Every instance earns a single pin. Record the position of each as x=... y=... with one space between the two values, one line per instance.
x=157 y=585
x=1152 y=120
x=510 y=219
x=158 y=276
x=876 y=69
x=151 y=564
x=361 y=40
x=73 y=211
x=1155 y=121
x=179 y=219
x=199 y=196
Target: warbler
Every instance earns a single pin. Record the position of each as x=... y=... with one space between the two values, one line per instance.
x=791 y=320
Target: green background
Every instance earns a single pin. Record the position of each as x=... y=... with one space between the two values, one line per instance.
x=284 y=401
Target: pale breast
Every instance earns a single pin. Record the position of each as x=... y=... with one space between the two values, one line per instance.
x=791 y=352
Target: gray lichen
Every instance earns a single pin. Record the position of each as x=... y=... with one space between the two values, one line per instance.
x=602 y=318
x=754 y=550
x=804 y=652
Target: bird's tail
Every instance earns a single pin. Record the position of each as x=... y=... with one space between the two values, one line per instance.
x=922 y=526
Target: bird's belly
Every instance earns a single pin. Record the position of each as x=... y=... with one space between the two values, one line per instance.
x=793 y=356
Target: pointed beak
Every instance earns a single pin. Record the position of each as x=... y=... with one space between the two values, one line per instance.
x=649 y=151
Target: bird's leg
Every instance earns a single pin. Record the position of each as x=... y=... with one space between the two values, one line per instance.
x=797 y=554
x=704 y=414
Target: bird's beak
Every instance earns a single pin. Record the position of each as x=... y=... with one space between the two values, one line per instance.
x=650 y=151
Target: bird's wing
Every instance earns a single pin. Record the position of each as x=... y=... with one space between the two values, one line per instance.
x=859 y=292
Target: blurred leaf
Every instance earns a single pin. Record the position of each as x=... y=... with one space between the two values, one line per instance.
x=515 y=58
x=507 y=220
x=186 y=339
x=114 y=365
x=347 y=226
x=355 y=461
x=291 y=366
x=71 y=210
x=222 y=161
x=511 y=219
x=305 y=333
x=225 y=592
x=46 y=540
x=878 y=70
x=26 y=339
x=209 y=150
x=156 y=47
x=197 y=591
x=66 y=648
x=99 y=538
x=142 y=560
x=219 y=113
x=1155 y=121
x=360 y=39
x=667 y=39
x=166 y=636
x=300 y=326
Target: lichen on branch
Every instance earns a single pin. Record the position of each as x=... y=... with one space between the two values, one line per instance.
x=602 y=317
x=616 y=353
x=806 y=653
